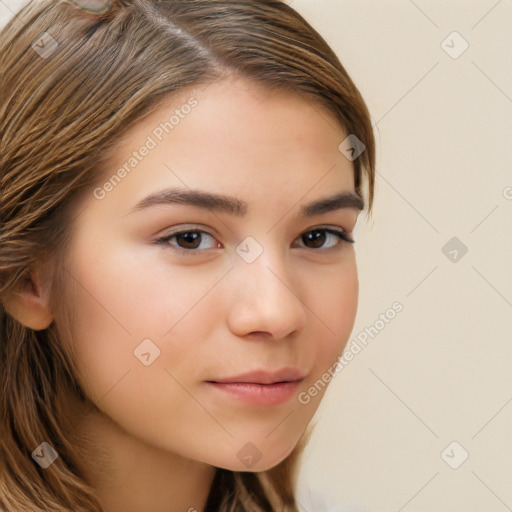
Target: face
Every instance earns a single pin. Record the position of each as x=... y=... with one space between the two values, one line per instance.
x=174 y=297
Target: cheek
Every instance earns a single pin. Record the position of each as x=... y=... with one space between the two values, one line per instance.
x=121 y=301
x=110 y=324
x=336 y=308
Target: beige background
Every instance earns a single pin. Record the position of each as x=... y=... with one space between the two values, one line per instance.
x=439 y=371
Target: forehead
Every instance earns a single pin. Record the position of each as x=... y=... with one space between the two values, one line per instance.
x=246 y=110
x=235 y=136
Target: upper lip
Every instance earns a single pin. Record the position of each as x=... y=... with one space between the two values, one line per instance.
x=288 y=374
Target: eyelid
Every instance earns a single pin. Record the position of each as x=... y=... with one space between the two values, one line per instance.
x=187 y=228
x=181 y=228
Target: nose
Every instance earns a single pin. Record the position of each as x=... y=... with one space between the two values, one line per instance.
x=265 y=300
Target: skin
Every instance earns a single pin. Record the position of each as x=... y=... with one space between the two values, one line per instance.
x=211 y=313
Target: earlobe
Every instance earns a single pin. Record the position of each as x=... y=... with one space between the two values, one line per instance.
x=29 y=306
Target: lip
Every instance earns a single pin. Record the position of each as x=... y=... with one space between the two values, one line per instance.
x=287 y=374
x=258 y=394
x=262 y=387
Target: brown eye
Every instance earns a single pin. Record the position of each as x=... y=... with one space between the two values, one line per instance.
x=316 y=238
x=188 y=240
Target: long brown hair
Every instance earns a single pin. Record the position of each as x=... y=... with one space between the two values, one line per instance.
x=60 y=115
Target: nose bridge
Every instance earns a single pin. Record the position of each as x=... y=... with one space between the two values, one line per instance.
x=265 y=298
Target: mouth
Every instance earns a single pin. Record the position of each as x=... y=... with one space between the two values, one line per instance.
x=259 y=387
x=258 y=394
x=287 y=374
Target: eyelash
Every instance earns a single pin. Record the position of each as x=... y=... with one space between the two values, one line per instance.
x=194 y=252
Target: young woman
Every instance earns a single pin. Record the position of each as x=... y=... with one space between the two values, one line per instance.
x=180 y=182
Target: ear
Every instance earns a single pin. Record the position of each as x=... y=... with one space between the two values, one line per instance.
x=30 y=305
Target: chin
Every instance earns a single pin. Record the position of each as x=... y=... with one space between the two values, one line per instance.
x=254 y=457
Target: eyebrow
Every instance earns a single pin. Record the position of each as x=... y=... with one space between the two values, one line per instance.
x=237 y=207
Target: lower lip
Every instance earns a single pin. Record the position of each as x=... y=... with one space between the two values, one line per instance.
x=261 y=394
